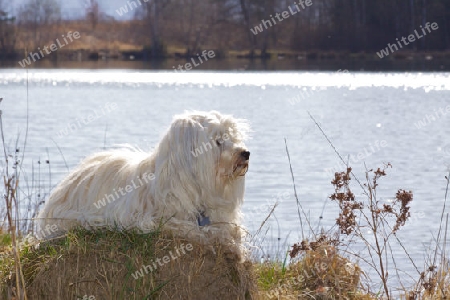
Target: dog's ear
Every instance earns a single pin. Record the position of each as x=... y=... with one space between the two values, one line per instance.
x=188 y=140
x=184 y=163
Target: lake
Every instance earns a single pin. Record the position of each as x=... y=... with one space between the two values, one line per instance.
x=370 y=118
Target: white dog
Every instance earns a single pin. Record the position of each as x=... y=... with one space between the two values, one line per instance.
x=193 y=183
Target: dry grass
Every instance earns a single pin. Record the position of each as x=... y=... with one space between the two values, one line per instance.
x=111 y=35
x=104 y=264
x=11 y=174
x=319 y=274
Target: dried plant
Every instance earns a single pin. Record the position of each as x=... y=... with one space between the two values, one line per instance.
x=378 y=216
x=11 y=186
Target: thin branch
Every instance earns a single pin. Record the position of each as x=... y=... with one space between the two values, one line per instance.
x=264 y=222
x=299 y=206
x=335 y=150
x=60 y=152
x=442 y=218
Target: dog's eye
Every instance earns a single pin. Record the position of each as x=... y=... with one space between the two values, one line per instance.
x=219 y=143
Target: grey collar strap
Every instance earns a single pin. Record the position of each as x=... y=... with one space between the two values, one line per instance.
x=203 y=220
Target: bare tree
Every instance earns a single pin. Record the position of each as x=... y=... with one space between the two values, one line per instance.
x=197 y=21
x=7 y=32
x=92 y=13
x=154 y=22
x=245 y=8
x=153 y=15
x=36 y=15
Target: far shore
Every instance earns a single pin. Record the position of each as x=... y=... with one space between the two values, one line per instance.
x=276 y=60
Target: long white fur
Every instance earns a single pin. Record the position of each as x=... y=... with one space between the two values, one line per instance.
x=184 y=186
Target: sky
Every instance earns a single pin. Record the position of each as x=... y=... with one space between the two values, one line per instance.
x=75 y=8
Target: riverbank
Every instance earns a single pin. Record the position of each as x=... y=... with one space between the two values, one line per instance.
x=110 y=45
x=417 y=62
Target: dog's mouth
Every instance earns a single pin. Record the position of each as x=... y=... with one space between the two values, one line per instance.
x=241 y=169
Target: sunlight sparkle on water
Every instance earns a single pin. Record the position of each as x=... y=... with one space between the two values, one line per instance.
x=322 y=80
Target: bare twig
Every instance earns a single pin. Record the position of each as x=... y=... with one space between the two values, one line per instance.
x=442 y=218
x=62 y=155
x=264 y=222
x=299 y=206
x=335 y=150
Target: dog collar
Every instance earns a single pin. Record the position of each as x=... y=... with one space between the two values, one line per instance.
x=203 y=220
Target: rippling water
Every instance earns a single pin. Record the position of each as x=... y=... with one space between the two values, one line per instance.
x=371 y=119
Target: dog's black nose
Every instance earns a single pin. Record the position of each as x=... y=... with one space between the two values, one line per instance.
x=245 y=154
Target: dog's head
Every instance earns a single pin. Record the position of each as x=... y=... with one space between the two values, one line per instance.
x=215 y=141
x=220 y=139
x=205 y=146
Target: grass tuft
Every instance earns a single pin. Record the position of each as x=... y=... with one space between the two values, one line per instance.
x=111 y=264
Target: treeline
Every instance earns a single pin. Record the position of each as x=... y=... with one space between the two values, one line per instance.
x=193 y=25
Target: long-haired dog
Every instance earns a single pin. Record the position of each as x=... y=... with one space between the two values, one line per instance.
x=193 y=183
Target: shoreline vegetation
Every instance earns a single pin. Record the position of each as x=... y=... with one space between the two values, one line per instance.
x=144 y=54
x=113 y=264
x=275 y=60
x=117 y=41
x=302 y=30
x=231 y=60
